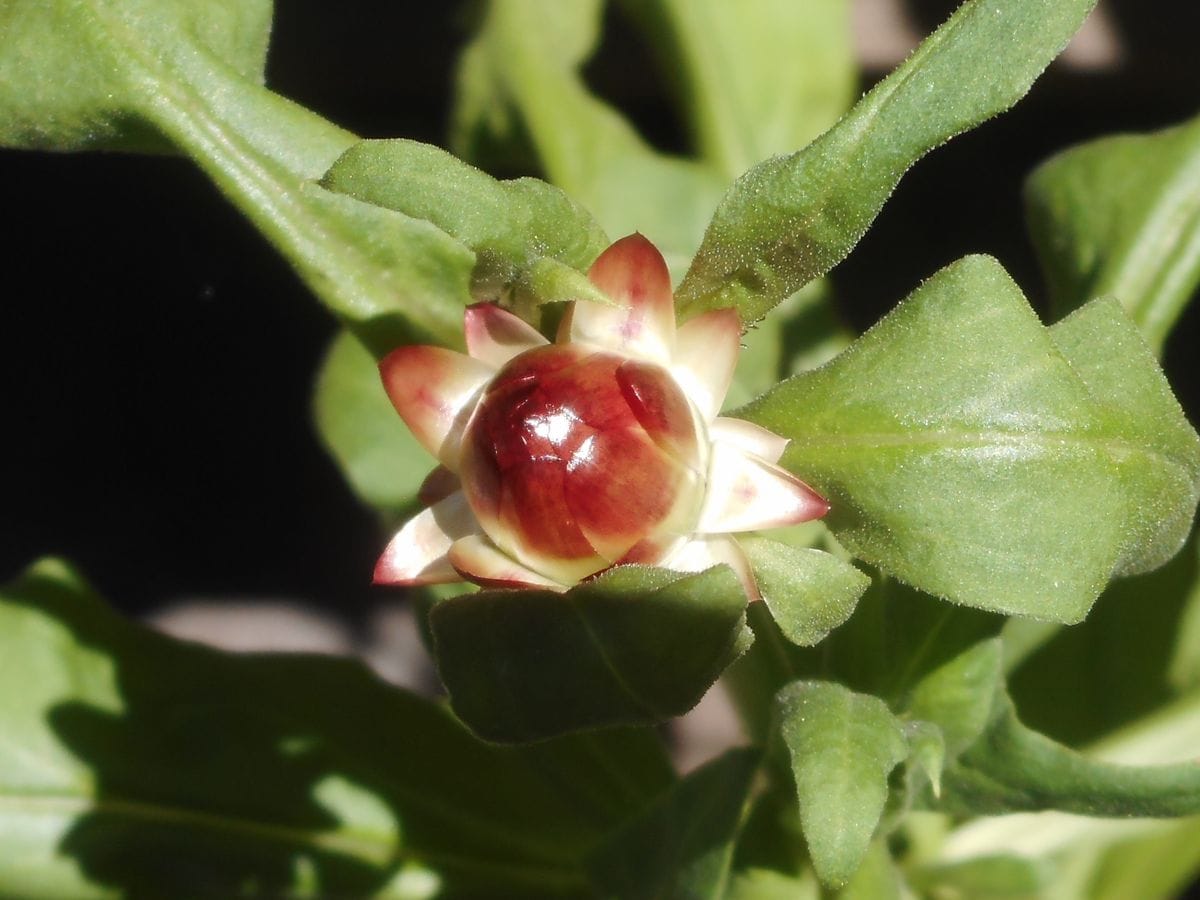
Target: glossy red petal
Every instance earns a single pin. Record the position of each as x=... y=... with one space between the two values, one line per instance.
x=417 y=554
x=658 y=404
x=748 y=437
x=642 y=320
x=706 y=353
x=434 y=390
x=746 y=493
x=477 y=559
x=495 y=336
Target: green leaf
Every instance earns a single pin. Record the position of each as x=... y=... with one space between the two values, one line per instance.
x=996 y=877
x=809 y=592
x=1012 y=768
x=876 y=879
x=757 y=78
x=682 y=845
x=635 y=645
x=926 y=755
x=145 y=73
x=522 y=73
x=957 y=696
x=792 y=218
x=373 y=447
x=767 y=884
x=843 y=747
x=509 y=225
x=132 y=764
x=965 y=454
x=1121 y=216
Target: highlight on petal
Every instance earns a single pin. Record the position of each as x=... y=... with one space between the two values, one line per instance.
x=748 y=437
x=494 y=335
x=746 y=493
x=417 y=554
x=642 y=320
x=706 y=353
x=477 y=559
x=702 y=553
x=434 y=390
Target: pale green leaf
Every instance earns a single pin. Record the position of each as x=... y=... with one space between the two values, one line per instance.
x=957 y=696
x=843 y=747
x=634 y=645
x=135 y=765
x=792 y=218
x=1121 y=216
x=963 y=453
x=809 y=592
x=682 y=845
x=758 y=77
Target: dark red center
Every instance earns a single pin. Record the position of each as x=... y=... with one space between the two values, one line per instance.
x=575 y=457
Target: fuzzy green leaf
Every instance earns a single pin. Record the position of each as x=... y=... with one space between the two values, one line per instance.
x=635 y=645
x=843 y=747
x=966 y=449
x=1121 y=216
x=792 y=218
x=809 y=592
x=132 y=764
x=509 y=225
x=957 y=696
x=681 y=846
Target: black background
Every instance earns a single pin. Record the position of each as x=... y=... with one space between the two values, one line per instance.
x=157 y=357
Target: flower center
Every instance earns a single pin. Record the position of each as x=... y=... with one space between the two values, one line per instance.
x=577 y=459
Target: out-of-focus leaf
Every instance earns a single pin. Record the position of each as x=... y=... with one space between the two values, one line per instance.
x=1012 y=768
x=155 y=73
x=1161 y=866
x=876 y=879
x=1121 y=216
x=987 y=878
x=843 y=747
x=926 y=755
x=681 y=846
x=809 y=592
x=965 y=449
x=759 y=77
x=373 y=447
x=510 y=225
x=792 y=218
x=521 y=73
x=135 y=765
x=767 y=884
x=635 y=645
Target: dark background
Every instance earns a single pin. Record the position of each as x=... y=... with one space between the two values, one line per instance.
x=157 y=357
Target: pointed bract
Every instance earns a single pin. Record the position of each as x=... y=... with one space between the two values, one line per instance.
x=477 y=559
x=438 y=485
x=434 y=390
x=706 y=353
x=746 y=493
x=749 y=437
x=494 y=335
x=642 y=320
x=417 y=554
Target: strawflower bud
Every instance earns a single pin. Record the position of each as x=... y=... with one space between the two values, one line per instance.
x=560 y=460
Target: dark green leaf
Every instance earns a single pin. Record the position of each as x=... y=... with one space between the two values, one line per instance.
x=809 y=592
x=963 y=453
x=1012 y=768
x=843 y=747
x=132 y=764
x=681 y=846
x=635 y=645
x=792 y=218
x=373 y=447
x=1121 y=216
